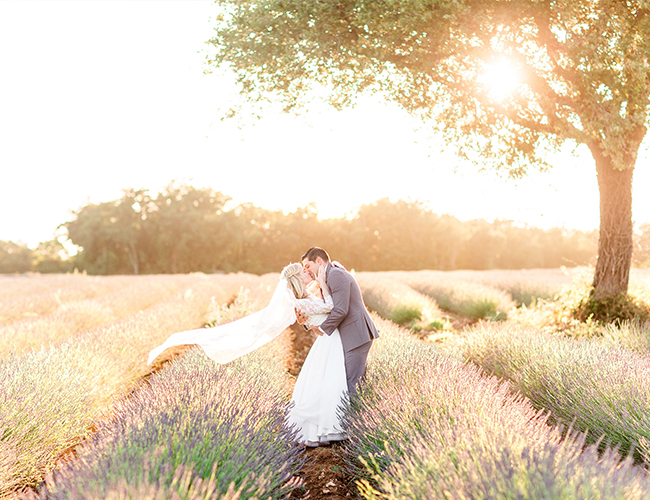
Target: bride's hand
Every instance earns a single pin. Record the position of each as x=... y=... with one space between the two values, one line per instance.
x=320 y=277
x=301 y=317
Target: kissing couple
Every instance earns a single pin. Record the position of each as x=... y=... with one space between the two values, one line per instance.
x=326 y=299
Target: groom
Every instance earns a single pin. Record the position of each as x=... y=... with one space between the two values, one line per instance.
x=349 y=315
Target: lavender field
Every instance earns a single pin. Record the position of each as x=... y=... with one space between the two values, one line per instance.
x=479 y=387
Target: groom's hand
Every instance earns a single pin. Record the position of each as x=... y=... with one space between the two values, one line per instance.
x=301 y=317
x=316 y=330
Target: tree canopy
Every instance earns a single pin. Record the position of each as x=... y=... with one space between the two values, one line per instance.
x=185 y=229
x=582 y=66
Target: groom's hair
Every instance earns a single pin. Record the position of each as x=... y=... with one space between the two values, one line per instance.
x=314 y=252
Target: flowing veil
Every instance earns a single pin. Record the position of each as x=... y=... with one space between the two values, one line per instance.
x=224 y=343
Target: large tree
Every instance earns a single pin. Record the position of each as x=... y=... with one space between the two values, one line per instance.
x=15 y=257
x=584 y=79
x=178 y=231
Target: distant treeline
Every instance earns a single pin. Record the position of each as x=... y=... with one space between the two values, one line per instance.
x=186 y=229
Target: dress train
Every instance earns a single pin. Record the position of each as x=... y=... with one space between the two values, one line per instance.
x=320 y=390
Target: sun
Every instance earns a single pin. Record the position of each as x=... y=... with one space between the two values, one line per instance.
x=501 y=78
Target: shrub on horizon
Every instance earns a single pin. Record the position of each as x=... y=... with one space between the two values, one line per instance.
x=611 y=309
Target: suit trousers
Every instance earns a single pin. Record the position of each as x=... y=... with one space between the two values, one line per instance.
x=355 y=366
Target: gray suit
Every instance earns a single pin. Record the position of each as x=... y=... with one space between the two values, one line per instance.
x=351 y=317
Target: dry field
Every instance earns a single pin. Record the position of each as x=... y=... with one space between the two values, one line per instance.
x=469 y=391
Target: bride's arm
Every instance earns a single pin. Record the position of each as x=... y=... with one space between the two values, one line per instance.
x=312 y=305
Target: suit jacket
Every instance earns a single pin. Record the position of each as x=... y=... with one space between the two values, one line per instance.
x=349 y=313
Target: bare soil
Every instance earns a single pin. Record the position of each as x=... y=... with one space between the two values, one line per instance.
x=323 y=476
x=460 y=322
x=301 y=342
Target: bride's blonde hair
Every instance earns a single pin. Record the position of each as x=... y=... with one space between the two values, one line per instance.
x=291 y=273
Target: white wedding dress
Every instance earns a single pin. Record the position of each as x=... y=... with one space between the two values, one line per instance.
x=321 y=385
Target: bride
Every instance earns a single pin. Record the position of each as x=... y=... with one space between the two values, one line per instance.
x=321 y=385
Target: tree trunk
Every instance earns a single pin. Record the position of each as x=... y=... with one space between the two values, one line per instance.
x=133 y=257
x=612 y=273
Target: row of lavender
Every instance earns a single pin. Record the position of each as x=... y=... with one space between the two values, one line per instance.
x=446 y=424
x=46 y=318
x=430 y=426
x=197 y=430
x=597 y=386
x=24 y=296
x=53 y=396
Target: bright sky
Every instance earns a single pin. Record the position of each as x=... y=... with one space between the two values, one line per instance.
x=100 y=96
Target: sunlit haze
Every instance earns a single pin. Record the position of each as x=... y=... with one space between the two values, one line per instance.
x=501 y=78
x=100 y=96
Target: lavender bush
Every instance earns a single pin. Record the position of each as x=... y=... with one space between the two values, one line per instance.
x=50 y=398
x=599 y=389
x=14 y=285
x=427 y=426
x=222 y=424
x=16 y=307
x=397 y=302
x=471 y=299
x=240 y=306
x=185 y=485
x=633 y=335
x=525 y=286
x=76 y=316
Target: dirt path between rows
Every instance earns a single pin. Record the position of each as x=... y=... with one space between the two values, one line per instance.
x=323 y=473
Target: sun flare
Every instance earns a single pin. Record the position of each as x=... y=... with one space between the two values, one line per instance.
x=501 y=79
